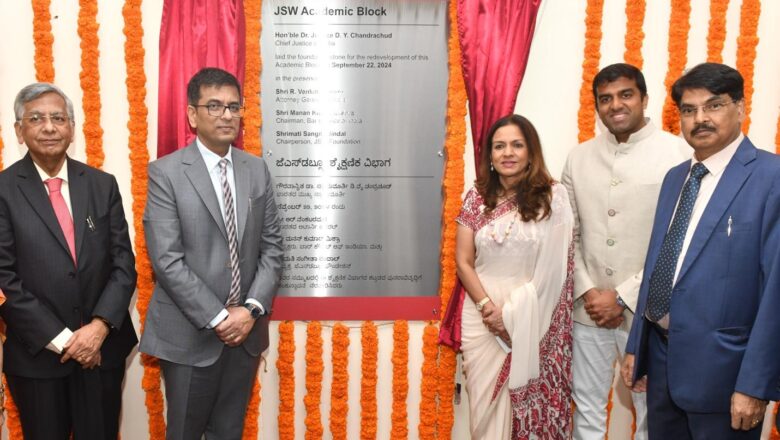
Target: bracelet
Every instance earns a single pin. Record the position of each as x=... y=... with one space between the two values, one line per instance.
x=482 y=302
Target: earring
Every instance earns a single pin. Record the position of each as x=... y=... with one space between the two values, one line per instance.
x=491 y=167
x=528 y=167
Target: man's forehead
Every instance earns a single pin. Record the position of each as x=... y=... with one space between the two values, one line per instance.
x=697 y=95
x=621 y=84
x=47 y=98
x=210 y=90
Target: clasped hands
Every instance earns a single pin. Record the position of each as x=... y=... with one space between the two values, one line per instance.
x=494 y=321
x=234 y=329
x=84 y=344
x=602 y=307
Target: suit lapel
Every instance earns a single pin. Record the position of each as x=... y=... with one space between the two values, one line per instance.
x=199 y=176
x=32 y=188
x=734 y=176
x=79 y=201
x=241 y=173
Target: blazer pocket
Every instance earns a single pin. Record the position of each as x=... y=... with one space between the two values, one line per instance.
x=734 y=335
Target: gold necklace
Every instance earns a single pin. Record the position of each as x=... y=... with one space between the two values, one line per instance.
x=493 y=234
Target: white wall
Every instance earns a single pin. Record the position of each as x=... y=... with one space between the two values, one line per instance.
x=549 y=97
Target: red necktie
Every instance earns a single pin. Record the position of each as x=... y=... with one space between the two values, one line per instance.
x=62 y=213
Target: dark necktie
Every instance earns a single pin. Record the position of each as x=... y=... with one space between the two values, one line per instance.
x=54 y=185
x=234 y=296
x=662 y=279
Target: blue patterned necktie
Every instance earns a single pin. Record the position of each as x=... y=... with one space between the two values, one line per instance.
x=662 y=279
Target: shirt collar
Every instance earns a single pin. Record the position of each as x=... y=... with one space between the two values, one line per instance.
x=717 y=162
x=62 y=174
x=634 y=138
x=211 y=158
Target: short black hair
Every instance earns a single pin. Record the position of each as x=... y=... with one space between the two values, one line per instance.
x=714 y=77
x=619 y=70
x=209 y=76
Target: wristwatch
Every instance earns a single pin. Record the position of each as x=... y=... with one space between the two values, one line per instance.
x=254 y=310
x=621 y=303
x=482 y=302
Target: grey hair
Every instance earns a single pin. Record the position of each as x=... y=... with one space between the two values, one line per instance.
x=33 y=92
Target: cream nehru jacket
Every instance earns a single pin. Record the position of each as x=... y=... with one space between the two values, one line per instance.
x=613 y=190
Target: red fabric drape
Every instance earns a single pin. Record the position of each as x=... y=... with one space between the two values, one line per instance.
x=495 y=39
x=194 y=34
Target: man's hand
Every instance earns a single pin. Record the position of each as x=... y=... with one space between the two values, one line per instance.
x=236 y=327
x=602 y=307
x=746 y=412
x=84 y=345
x=627 y=372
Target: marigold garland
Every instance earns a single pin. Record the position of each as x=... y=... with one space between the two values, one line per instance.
x=339 y=392
x=775 y=434
x=2 y=147
x=679 y=25
x=253 y=65
x=746 y=51
x=285 y=367
x=426 y=430
x=777 y=136
x=90 y=82
x=314 y=369
x=609 y=412
x=14 y=425
x=43 y=40
x=399 y=417
x=368 y=410
x=716 y=35
x=251 y=421
x=586 y=117
x=635 y=18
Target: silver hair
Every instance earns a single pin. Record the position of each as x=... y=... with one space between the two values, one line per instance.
x=33 y=92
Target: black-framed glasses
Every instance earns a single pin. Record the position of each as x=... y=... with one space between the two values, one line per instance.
x=217 y=109
x=38 y=119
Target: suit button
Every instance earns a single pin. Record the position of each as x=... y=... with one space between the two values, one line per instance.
x=610 y=242
x=71 y=275
x=614 y=182
x=609 y=271
x=611 y=212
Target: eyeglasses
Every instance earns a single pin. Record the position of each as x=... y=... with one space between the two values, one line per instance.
x=37 y=119
x=218 y=109
x=689 y=111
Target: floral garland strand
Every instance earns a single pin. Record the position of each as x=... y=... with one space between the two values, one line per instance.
x=251 y=420
x=314 y=369
x=746 y=51
x=139 y=159
x=339 y=392
x=43 y=40
x=2 y=147
x=586 y=117
x=454 y=146
x=286 y=369
x=253 y=66
x=14 y=425
x=679 y=25
x=90 y=82
x=368 y=408
x=775 y=434
x=399 y=418
x=426 y=430
x=716 y=35
x=635 y=36
x=777 y=137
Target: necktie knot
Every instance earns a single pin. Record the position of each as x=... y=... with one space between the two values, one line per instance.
x=698 y=171
x=223 y=163
x=53 y=185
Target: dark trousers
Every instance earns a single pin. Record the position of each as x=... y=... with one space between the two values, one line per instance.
x=86 y=403
x=209 y=400
x=666 y=420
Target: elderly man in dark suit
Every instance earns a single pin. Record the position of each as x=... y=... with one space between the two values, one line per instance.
x=68 y=272
x=213 y=235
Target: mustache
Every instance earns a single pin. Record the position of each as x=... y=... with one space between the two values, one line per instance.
x=702 y=127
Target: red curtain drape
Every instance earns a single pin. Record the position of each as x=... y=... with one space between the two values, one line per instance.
x=495 y=39
x=194 y=34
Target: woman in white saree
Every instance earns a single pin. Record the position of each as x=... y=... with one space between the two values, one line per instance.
x=514 y=258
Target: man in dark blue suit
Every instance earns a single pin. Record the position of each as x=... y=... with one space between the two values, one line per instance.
x=707 y=345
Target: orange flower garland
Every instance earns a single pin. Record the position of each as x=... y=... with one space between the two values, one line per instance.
x=746 y=51
x=368 y=410
x=14 y=425
x=716 y=35
x=777 y=137
x=2 y=147
x=285 y=367
x=426 y=430
x=339 y=392
x=43 y=40
x=399 y=420
x=774 y=435
x=90 y=82
x=251 y=424
x=252 y=66
x=314 y=369
x=635 y=18
x=679 y=25
x=586 y=117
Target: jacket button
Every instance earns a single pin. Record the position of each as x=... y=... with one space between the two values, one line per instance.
x=614 y=182
x=609 y=271
x=610 y=242
x=71 y=275
x=611 y=212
